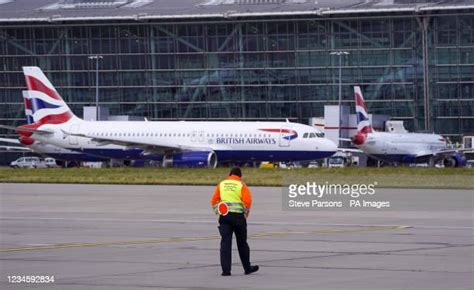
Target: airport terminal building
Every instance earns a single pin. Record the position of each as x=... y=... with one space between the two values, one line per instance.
x=246 y=59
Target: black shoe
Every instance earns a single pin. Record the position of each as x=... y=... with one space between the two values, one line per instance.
x=226 y=274
x=252 y=270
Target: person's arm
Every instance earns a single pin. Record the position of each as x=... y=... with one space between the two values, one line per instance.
x=216 y=198
x=246 y=199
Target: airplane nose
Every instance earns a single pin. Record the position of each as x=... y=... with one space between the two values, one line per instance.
x=329 y=146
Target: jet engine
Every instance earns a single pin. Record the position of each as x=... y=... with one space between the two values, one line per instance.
x=191 y=159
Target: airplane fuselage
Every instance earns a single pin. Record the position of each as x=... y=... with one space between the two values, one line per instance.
x=405 y=148
x=231 y=141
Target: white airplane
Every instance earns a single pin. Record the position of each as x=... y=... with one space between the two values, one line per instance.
x=179 y=143
x=399 y=147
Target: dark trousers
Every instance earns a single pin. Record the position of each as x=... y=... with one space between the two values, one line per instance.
x=233 y=223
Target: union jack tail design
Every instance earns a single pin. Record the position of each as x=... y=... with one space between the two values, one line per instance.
x=28 y=111
x=363 y=123
x=42 y=102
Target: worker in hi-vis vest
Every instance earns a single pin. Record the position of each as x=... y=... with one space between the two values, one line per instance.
x=232 y=202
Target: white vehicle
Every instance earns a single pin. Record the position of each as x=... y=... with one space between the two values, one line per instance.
x=190 y=144
x=50 y=162
x=336 y=162
x=399 y=147
x=313 y=164
x=28 y=162
x=470 y=164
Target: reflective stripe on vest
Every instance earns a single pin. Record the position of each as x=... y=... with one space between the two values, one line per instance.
x=231 y=194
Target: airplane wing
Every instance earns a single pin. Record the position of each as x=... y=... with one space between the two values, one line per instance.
x=15 y=148
x=13 y=141
x=353 y=150
x=31 y=130
x=442 y=153
x=155 y=147
x=10 y=140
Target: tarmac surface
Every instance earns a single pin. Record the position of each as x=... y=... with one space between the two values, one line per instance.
x=134 y=237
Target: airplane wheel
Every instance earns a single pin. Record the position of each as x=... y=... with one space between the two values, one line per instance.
x=450 y=162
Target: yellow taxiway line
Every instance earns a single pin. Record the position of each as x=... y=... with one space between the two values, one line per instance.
x=194 y=239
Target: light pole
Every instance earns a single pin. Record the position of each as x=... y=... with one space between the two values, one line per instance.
x=340 y=54
x=96 y=57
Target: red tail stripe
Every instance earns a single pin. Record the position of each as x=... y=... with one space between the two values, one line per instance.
x=35 y=84
x=366 y=130
x=50 y=119
x=27 y=104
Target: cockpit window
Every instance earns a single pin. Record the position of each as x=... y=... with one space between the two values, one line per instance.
x=312 y=135
x=305 y=135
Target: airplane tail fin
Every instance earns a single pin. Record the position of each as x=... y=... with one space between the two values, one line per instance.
x=363 y=122
x=44 y=102
x=28 y=111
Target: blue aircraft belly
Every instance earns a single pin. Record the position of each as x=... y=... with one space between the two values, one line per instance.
x=267 y=155
x=226 y=155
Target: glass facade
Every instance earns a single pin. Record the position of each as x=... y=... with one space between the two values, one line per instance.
x=261 y=69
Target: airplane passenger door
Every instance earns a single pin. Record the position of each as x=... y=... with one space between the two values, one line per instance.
x=73 y=140
x=285 y=136
x=201 y=136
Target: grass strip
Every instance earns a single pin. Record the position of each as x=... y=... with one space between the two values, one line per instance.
x=391 y=177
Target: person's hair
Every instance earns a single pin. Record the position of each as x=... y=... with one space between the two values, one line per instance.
x=236 y=171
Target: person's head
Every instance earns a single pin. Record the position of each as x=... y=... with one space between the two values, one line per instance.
x=236 y=171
